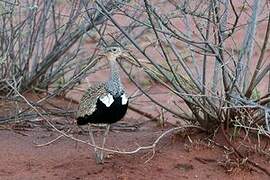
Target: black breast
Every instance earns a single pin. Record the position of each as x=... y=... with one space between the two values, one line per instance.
x=104 y=114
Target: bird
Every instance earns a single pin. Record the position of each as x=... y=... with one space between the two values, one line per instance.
x=104 y=102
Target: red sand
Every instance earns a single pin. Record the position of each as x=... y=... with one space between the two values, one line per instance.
x=175 y=158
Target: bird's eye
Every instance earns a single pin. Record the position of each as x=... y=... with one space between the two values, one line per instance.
x=114 y=50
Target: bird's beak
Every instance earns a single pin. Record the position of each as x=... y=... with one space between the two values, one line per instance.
x=129 y=58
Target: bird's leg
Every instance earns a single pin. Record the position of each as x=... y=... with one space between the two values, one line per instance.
x=98 y=159
x=104 y=140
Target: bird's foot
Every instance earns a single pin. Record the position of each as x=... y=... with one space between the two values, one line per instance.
x=99 y=159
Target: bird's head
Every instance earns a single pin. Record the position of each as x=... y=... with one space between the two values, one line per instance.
x=113 y=52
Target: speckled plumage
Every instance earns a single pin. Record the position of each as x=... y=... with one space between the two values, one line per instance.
x=104 y=102
x=93 y=110
x=89 y=99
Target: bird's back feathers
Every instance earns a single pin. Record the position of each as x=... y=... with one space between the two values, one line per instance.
x=89 y=99
x=98 y=105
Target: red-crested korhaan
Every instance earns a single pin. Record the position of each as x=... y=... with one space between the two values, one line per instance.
x=105 y=102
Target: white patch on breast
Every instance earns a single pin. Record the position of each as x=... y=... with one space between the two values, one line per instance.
x=107 y=100
x=124 y=99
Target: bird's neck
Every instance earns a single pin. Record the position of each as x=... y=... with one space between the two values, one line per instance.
x=114 y=85
x=114 y=71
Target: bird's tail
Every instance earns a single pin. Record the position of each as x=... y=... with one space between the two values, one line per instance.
x=81 y=121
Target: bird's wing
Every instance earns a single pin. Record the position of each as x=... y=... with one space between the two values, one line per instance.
x=89 y=99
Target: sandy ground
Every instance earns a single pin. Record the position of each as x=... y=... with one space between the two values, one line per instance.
x=177 y=156
x=180 y=155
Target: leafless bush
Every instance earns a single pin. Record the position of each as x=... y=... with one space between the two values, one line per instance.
x=203 y=52
x=41 y=42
